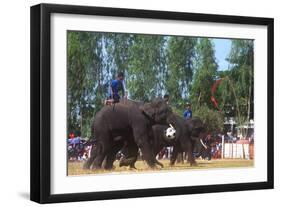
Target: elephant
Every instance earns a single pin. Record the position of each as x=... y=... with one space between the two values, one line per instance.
x=119 y=123
x=189 y=135
x=191 y=140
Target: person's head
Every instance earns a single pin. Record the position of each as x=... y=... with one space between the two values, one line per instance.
x=166 y=97
x=71 y=135
x=188 y=105
x=120 y=76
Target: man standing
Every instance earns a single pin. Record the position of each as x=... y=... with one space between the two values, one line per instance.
x=187 y=113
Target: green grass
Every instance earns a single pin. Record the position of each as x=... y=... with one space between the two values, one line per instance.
x=76 y=168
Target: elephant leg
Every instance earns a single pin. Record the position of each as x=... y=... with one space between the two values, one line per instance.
x=110 y=158
x=100 y=154
x=147 y=155
x=174 y=155
x=142 y=142
x=190 y=154
x=88 y=163
x=159 y=163
x=131 y=156
x=180 y=158
x=103 y=148
x=128 y=162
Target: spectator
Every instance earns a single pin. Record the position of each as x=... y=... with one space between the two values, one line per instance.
x=187 y=113
x=71 y=135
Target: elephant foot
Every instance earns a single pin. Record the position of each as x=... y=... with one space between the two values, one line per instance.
x=172 y=163
x=160 y=164
x=152 y=166
x=132 y=168
x=123 y=163
x=109 y=168
x=127 y=161
x=97 y=169
x=193 y=163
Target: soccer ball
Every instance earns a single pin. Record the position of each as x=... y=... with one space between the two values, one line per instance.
x=170 y=133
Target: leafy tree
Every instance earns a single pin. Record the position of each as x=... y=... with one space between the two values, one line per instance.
x=205 y=74
x=241 y=59
x=144 y=64
x=117 y=50
x=237 y=88
x=84 y=71
x=180 y=66
x=212 y=118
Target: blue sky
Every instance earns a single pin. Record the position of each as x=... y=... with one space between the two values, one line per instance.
x=222 y=49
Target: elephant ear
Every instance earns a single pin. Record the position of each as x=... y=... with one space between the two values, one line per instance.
x=198 y=127
x=148 y=110
x=189 y=125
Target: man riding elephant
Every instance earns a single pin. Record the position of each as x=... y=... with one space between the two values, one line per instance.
x=121 y=120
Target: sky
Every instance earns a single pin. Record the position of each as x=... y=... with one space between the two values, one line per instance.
x=222 y=49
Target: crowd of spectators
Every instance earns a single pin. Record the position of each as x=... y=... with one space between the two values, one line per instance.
x=78 y=149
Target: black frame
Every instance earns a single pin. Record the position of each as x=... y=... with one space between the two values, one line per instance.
x=41 y=96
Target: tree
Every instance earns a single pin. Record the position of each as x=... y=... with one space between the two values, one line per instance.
x=205 y=74
x=241 y=59
x=143 y=67
x=237 y=89
x=84 y=71
x=180 y=66
x=213 y=119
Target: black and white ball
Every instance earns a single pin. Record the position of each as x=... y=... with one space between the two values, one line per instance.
x=170 y=133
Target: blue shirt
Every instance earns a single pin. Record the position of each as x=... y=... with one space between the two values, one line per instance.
x=187 y=114
x=116 y=86
x=75 y=140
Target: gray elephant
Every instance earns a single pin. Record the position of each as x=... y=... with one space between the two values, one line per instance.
x=189 y=135
x=119 y=123
x=190 y=140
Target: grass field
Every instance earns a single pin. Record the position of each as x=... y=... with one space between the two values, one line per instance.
x=76 y=168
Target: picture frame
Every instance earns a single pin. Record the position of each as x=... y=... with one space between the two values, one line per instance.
x=41 y=101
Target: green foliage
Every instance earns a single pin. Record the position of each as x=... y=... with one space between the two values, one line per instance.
x=205 y=74
x=180 y=63
x=154 y=65
x=213 y=119
x=84 y=75
x=144 y=65
x=236 y=91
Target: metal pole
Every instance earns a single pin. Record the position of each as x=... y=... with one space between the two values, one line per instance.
x=222 y=146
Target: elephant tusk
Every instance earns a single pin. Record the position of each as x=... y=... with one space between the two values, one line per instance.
x=203 y=144
x=171 y=126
